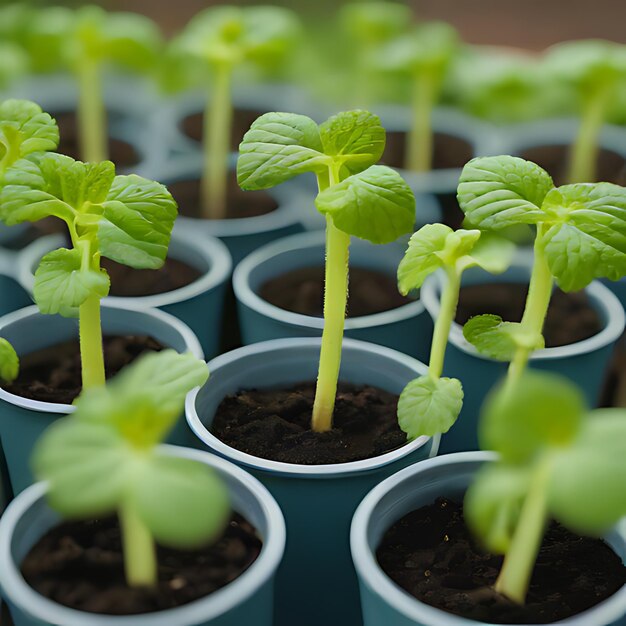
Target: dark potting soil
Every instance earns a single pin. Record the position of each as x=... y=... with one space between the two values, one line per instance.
x=122 y=153
x=129 y=282
x=611 y=167
x=192 y=125
x=239 y=203
x=431 y=555
x=302 y=291
x=54 y=374
x=80 y=565
x=448 y=151
x=570 y=318
x=276 y=424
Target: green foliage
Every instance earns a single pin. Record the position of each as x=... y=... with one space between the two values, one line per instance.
x=9 y=362
x=371 y=23
x=14 y=63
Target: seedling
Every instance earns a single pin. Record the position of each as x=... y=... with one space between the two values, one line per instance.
x=357 y=197
x=9 y=362
x=104 y=459
x=431 y=404
x=581 y=235
x=224 y=39
x=127 y=219
x=595 y=69
x=557 y=461
x=14 y=63
x=423 y=56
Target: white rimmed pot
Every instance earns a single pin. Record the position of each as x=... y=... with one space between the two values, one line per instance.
x=316 y=583
x=407 y=328
x=383 y=602
x=22 y=421
x=585 y=362
x=199 y=305
x=246 y=600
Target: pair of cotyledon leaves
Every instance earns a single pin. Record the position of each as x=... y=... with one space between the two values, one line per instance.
x=104 y=456
x=370 y=201
x=543 y=422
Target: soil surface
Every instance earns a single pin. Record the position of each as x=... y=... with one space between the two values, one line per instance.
x=130 y=282
x=448 y=151
x=239 y=203
x=431 y=554
x=80 y=565
x=554 y=159
x=192 y=125
x=54 y=374
x=570 y=318
x=302 y=291
x=276 y=424
x=123 y=154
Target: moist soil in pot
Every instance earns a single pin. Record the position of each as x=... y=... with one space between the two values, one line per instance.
x=302 y=291
x=122 y=153
x=570 y=318
x=239 y=203
x=80 y=565
x=54 y=374
x=276 y=424
x=128 y=282
x=431 y=555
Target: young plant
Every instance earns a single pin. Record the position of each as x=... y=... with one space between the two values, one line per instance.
x=357 y=197
x=128 y=219
x=557 y=461
x=224 y=39
x=104 y=459
x=595 y=69
x=431 y=404
x=580 y=235
x=423 y=56
x=9 y=362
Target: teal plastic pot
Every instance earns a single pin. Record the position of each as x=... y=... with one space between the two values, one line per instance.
x=585 y=362
x=248 y=600
x=199 y=305
x=13 y=296
x=22 y=421
x=386 y=604
x=407 y=328
x=316 y=583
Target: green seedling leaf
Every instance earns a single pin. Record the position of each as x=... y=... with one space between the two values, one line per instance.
x=429 y=406
x=9 y=362
x=501 y=191
x=376 y=205
x=498 y=339
x=14 y=63
x=62 y=284
x=493 y=253
x=375 y=22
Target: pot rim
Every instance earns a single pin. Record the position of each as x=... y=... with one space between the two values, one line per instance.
x=311 y=239
x=602 y=295
x=190 y=340
x=211 y=249
x=378 y=582
x=329 y=470
x=199 y=611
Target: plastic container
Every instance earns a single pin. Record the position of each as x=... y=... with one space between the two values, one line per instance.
x=259 y=320
x=246 y=600
x=316 y=582
x=22 y=420
x=383 y=602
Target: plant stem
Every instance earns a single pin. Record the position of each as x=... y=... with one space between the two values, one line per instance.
x=335 y=300
x=584 y=152
x=517 y=568
x=91 y=355
x=216 y=139
x=449 y=301
x=419 y=146
x=91 y=113
x=140 y=563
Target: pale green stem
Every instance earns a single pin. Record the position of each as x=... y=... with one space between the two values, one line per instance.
x=419 y=145
x=335 y=300
x=140 y=562
x=216 y=140
x=90 y=330
x=584 y=152
x=449 y=302
x=92 y=123
x=519 y=561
